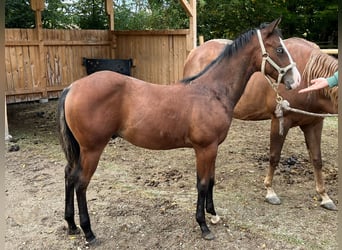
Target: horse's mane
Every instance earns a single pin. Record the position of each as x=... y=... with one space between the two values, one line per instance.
x=322 y=65
x=229 y=51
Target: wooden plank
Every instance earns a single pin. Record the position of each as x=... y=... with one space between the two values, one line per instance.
x=65 y=66
x=165 y=52
x=187 y=7
x=330 y=51
x=68 y=63
x=20 y=66
x=26 y=68
x=8 y=68
x=10 y=63
x=37 y=4
x=171 y=63
x=61 y=64
x=42 y=81
x=54 y=88
x=14 y=68
x=21 y=43
x=25 y=91
x=33 y=60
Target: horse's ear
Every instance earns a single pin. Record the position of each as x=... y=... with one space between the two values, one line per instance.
x=274 y=25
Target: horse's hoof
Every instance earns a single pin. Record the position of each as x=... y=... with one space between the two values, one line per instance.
x=329 y=205
x=274 y=200
x=208 y=235
x=90 y=241
x=215 y=219
x=75 y=231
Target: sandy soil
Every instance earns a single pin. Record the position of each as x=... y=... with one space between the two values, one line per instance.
x=142 y=199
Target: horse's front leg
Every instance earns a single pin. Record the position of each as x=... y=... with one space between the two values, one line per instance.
x=210 y=202
x=205 y=161
x=313 y=134
x=276 y=145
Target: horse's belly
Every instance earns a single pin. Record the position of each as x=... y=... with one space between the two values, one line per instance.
x=156 y=133
x=160 y=140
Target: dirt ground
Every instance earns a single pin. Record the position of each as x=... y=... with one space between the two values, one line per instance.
x=142 y=199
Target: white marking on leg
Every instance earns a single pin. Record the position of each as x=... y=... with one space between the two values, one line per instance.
x=215 y=219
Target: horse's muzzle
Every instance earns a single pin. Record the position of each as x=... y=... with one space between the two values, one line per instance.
x=292 y=81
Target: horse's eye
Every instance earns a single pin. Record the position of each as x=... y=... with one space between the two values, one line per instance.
x=280 y=50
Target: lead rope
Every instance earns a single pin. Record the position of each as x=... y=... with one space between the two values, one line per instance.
x=279 y=113
x=285 y=105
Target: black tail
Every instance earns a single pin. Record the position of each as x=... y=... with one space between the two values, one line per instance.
x=67 y=140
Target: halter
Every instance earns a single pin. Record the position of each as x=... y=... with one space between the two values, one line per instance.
x=266 y=57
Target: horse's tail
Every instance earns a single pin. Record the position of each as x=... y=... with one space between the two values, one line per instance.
x=67 y=140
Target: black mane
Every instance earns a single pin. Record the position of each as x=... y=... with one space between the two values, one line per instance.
x=228 y=51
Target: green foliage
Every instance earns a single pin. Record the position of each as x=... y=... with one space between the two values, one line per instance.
x=90 y=14
x=228 y=19
x=18 y=14
x=56 y=15
x=148 y=15
x=315 y=20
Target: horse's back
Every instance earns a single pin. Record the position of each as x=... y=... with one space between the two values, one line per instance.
x=107 y=104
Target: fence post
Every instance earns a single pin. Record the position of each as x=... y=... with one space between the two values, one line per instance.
x=200 y=40
x=190 y=9
x=38 y=6
x=111 y=35
x=7 y=135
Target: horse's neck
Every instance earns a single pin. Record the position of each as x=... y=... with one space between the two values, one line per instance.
x=228 y=77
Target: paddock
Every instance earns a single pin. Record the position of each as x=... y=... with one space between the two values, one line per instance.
x=155 y=210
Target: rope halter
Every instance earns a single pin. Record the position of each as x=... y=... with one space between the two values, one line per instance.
x=266 y=57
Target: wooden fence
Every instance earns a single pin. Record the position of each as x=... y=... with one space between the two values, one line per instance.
x=158 y=56
x=40 y=63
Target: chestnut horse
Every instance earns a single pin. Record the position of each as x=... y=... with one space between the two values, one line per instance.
x=258 y=102
x=195 y=113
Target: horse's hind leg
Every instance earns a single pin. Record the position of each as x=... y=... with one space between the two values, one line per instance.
x=89 y=161
x=69 y=214
x=276 y=145
x=313 y=133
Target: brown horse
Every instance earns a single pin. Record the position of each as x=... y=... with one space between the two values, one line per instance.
x=195 y=113
x=258 y=102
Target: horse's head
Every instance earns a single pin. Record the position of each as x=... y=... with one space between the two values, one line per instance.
x=276 y=61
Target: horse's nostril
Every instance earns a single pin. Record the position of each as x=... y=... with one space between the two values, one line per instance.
x=288 y=84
